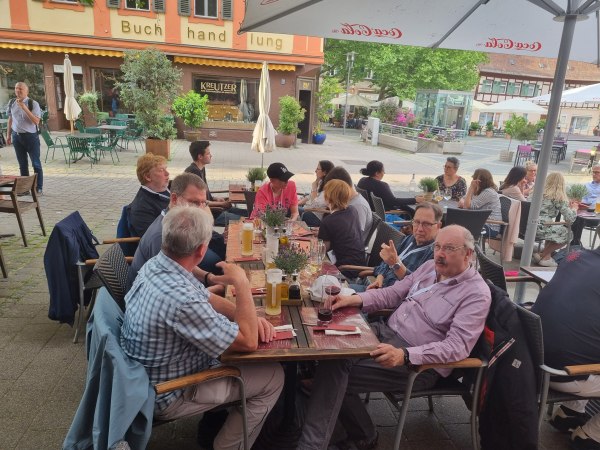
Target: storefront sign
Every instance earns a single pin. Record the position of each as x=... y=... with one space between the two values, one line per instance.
x=146 y=30
x=217 y=87
x=270 y=42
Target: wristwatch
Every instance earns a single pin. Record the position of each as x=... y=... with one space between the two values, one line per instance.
x=396 y=266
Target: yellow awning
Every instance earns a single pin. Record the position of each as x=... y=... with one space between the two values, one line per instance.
x=236 y=64
x=50 y=48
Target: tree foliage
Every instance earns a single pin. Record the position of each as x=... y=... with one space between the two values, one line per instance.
x=328 y=89
x=401 y=70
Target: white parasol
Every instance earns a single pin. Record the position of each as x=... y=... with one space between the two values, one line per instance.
x=516 y=106
x=582 y=94
x=353 y=100
x=561 y=29
x=263 y=136
x=72 y=108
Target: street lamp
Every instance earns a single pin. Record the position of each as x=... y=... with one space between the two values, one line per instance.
x=349 y=64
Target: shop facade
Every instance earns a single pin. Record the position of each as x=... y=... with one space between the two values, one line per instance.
x=199 y=36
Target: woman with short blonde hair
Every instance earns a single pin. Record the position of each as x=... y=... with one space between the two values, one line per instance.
x=340 y=230
x=554 y=202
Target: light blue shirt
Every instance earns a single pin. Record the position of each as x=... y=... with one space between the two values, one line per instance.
x=170 y=327
x=593 y=191
x=21 y=123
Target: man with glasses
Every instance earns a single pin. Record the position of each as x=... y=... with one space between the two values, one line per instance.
x=439 y=314
x=592 y=196
x=531 y=168
x=414 y=250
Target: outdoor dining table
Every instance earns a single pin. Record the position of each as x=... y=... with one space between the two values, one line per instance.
x=541 y=274
x=7 y=180
x=236 y=194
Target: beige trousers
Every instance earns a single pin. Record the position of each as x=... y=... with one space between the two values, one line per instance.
x=585 y=388
x=263 y=384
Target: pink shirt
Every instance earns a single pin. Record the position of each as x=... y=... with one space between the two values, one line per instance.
x=264 y=197
x=442 y=321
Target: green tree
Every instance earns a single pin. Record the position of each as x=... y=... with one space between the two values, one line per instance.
x=329 y=87
x=401 y=70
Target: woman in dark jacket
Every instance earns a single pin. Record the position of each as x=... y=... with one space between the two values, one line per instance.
x=374 y=172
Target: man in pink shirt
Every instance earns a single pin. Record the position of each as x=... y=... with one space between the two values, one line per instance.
x=279 y=191
x=440 y=311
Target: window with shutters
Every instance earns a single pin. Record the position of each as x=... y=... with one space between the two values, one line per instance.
x=205 y=8
x=139 y=5
x=226 y=10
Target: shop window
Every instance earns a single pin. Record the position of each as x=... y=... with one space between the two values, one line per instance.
x=104 y=83
x=140 y=5
x=580 y=124
x=31 y=74
x=205 y=8
x=229 y=99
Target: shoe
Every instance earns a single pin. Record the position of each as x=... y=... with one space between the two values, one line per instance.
x=581 y=441
x=362 y=444
x=566 y=420
x=209 y=426
x=547 y=263
x=39 y=192
x=536 y=257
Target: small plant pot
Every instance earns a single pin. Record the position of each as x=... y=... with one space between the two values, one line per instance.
x=472 y=132
x=428 y=196
x=489 y=134
x=319 y=138
x=285 y=140
x=192 y=135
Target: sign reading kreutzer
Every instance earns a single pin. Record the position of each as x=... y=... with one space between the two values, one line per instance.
x=217 y=87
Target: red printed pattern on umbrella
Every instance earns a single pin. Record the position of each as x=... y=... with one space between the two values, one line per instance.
x=359 y=29
x=509 y=44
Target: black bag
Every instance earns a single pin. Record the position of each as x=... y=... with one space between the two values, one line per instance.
x=30 y=106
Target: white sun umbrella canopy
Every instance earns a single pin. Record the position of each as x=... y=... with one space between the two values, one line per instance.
x=353 y=100
x=582 y=94
x=516 y=106
x=263 y=136
x=72 y=108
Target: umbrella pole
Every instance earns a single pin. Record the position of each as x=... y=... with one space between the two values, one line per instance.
x=546 y=152
x=71 y=126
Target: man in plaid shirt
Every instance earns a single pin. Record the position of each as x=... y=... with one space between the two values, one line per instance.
x=175 y=327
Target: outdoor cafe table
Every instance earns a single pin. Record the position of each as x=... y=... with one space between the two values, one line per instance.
x=236 y=194
x=7 y=180
x=541 y=274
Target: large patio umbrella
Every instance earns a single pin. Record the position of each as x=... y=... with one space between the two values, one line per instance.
x=72 y=108
x=582 y=94
x=263 y=136
x=516 y=106
x=353 y=100
x=566 y=29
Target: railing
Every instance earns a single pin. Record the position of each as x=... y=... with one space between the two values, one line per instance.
x=423 y=132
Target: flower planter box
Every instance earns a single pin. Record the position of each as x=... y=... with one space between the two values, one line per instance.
x=159 y=147
x=398 y=142
x=429 y=146
x=455 y=148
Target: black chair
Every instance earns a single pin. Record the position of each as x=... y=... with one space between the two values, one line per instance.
x=365 y=195
x=472 y=219
x=524 y=153
x=384 y=234
x=250 y=196
x=379 y=209
x=112 y=270
x=505 y=205
x=3 y=265
x=495 y=272
x=532 y=325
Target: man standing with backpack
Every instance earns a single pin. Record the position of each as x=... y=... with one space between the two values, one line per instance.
x=22 y=130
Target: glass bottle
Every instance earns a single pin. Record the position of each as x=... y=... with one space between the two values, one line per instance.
x=284 y=288
x=412 y=186
x=294 y=289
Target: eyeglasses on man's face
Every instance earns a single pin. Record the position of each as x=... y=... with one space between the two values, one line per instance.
x=425 y=225
x=447 y=248
x=449 y=166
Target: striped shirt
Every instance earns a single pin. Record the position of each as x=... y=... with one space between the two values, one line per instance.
x=170 y=327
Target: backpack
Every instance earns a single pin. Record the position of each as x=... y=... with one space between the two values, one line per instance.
x=29 y=105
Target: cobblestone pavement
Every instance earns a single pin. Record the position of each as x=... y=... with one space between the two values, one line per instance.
x=42 y=373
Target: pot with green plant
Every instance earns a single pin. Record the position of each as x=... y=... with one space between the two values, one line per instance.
x=489 y=129
x=273 y=217
x=474 y=128
x=428 y=185
x=151 y=97
x=291 y=259
x=577 y=192
x=89 y=104
x=256 y=174
x=328 y=89
x=290 y=115
x=338 y=117
x=192 y=108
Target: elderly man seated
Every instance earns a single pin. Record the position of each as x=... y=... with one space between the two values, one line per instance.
x=440 y=311
x=414 y=250
x=175 y=327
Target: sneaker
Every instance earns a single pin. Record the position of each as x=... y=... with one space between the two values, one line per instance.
x=547 y=263
x=581 y=441
x=209 y=426
x=565 y=419
x=39 y=191
x=362 y=444
x=536 y=257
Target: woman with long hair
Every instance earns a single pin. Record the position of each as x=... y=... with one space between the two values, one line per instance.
x=315 y=199
x=554 y=202
x=483 y=194
x=371 y=182
x=514 y=183
x=451 y=180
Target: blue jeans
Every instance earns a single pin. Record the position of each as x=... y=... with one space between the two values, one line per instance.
x=29 y=144
x=222 y=220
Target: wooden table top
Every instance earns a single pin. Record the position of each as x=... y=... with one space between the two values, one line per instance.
x=236 y=193
x=6 y=180
x=542 y=274
x=309 y=344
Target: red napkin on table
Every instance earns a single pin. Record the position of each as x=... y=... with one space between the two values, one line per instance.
x=511 y=273
x=246 y=258
x=283 y=335
x=254 y=291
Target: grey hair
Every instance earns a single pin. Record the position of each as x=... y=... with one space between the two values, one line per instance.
x=184 y=229
x=437 y=211
x=182 y=181
x=454 y=160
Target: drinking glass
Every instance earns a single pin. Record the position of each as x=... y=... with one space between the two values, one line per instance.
x=447 y=194
x=437 y=196
x=325 y=312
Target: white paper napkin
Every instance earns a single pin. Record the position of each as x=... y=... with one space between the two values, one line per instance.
x=342 y=333
x=286 y=328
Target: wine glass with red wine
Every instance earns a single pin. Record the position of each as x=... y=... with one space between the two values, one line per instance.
x=324 y=312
